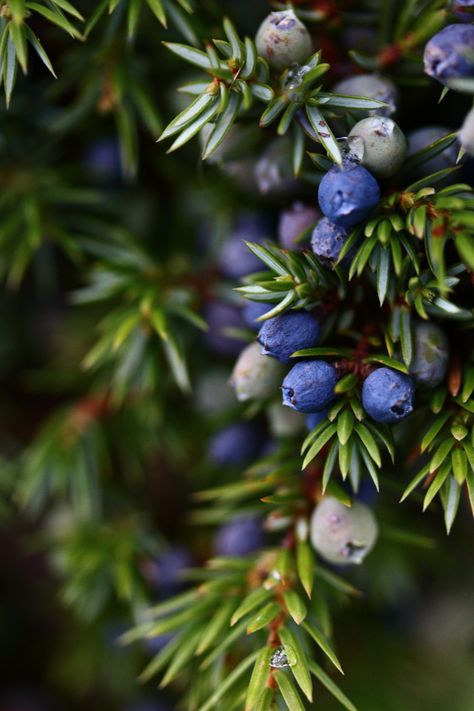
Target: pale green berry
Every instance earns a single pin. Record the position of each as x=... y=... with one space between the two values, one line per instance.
x=466 y=134
x=283 y=40
x=431 y=354
x=255 y=376
x=340 y=534
x=379 y=144
x=284 y=422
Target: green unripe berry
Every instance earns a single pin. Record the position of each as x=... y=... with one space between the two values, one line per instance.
x=283 y=40
x=255 y=376
x=343 y=535
x=379 y=144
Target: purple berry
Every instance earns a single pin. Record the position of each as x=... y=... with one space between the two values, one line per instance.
x=252 y=311
x=166 y=570
x=282 y=335
x=103 y=160
x=347 y=195
x=235 y=258
x=327 y=241
x=219 y=316
x=387 y=395
x=309 y=386
x=450 y=53
x=239 y=537
x=293 y=222
x=235 y=445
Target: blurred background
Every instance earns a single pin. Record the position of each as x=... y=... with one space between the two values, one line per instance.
x=102 y=442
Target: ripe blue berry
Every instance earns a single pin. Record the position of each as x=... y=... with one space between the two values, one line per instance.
x=252 y=311
x=327 y=241
x=235 y=259
x=372 y=86
x=255 y=377
x=103 y=160
x=165 y=572
x=282 y=335
x=387 y=395
x=293 y=222
x=235 y=445
x=347 y=195
x=282 y=40
x=379 y=145
x=450 y=53
x=341 y=534
x=309 y=386
x=314 y=418
x=430 y=356
x=239 y=537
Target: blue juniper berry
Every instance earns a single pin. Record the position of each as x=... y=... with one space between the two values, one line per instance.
x=309 y=386
x=387 y=395
x=235 y=445
x=293 y=222
x=235 y=258
x=348 y=194
x=450 y=53
x=327 y=241
x=282 y=335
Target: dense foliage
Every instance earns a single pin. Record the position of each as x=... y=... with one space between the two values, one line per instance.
x=237 y=255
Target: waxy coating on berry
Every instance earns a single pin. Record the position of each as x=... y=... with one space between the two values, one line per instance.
x=327 y=241
x=379 y=145
x=450 y=53
x=387 y=395
x=430 y=354
x=309 y=386
x=348 y=194
x=294 y=222
x=254 y=376
x=343 y=535
x=283 y=335
x=372 y=86
x=282 y=40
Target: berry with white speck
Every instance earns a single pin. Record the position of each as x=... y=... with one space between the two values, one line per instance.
x=343 y=535
x=379 y=145
x=282 y=39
